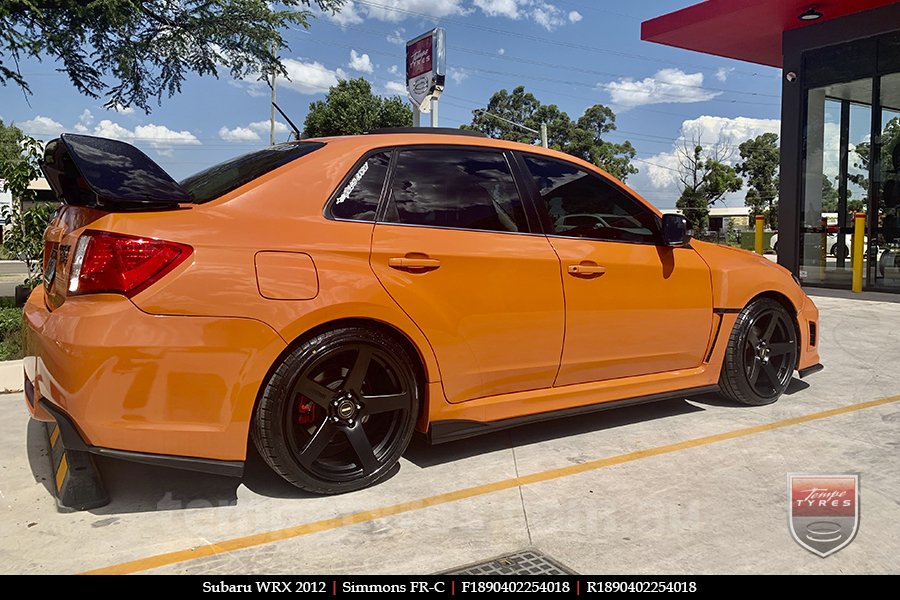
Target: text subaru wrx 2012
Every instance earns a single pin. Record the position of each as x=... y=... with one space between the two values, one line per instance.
x=328 y=298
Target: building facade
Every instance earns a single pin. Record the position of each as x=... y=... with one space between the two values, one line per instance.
x=840 y=126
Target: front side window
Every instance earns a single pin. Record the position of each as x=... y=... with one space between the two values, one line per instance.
x=459 y=189
x=358 y=199
x=583 y=204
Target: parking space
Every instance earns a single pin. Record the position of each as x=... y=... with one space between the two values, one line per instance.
x=695 y=485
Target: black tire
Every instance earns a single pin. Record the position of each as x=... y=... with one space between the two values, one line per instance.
x=338 y=412
x=761 y=355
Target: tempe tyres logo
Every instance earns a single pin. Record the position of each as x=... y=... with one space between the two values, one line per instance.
x=824 y=511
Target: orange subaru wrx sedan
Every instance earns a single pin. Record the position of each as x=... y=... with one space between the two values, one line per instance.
x=327 y=298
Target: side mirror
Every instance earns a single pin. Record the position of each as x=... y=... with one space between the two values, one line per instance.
x=674 y=230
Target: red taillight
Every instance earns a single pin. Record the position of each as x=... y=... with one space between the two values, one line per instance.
x=121 y=264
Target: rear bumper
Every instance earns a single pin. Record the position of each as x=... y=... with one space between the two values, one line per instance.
x=128 y=381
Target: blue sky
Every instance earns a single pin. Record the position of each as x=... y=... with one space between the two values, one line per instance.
x=573 y=53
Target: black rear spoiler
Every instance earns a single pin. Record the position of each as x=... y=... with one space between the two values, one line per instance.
x=96 y=172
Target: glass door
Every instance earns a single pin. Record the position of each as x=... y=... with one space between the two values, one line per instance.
x=835 y=180
x=884 y=268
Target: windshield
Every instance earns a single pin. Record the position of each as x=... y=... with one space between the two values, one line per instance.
x=220 y=179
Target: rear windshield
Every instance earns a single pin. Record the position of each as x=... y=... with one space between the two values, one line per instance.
x=220 y=179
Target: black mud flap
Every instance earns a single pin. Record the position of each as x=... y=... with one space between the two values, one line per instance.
x=78 y=482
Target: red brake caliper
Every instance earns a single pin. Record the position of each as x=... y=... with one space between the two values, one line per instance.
x=306 y=409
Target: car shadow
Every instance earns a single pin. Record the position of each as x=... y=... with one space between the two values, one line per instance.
x=135 y=487
x=424 y=455
x=794 y=386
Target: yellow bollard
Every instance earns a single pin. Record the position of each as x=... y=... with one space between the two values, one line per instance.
x=859 y=233
x=760 y=224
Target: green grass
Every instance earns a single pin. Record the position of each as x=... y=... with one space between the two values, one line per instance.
x=11 y=330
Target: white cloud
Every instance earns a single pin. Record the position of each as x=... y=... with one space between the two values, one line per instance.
x=397 y=37
x=350 y=14
x=84 y=121
x=575 y=16
x=667 y=86
x=658 y=176
x=238 y=134
x=360 y=62
x=394 y=70
x=41 y=126
x=122 y=110
x=503 y=8
x=723 y=72
x=251 y=132
x=547 y=16
x=501 y=51
x=395 y=87
x=457 y=74
x=159 y=137
x=309 y=77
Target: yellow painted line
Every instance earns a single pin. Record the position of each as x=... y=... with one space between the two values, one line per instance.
x=61 y=471
x=267 y=537
x=54 y=436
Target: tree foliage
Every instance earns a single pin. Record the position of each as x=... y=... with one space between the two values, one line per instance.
x=351 y=108
x=760 y=158
x=705 y=179
x=131 y=51
x=582 y=138
x=23 y=235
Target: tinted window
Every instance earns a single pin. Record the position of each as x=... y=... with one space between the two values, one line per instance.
x=222 y=178
x=582 y=204
x=462 y=189
x=358 y=199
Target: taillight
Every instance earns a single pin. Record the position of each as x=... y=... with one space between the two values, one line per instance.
x=121 y=264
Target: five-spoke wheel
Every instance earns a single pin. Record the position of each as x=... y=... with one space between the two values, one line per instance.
x=761 y=355
x=339 y=411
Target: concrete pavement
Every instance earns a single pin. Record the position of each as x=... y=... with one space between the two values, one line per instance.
x=624 y=491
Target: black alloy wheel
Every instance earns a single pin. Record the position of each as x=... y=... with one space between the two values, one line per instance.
x=339 y=411
x=761 y=355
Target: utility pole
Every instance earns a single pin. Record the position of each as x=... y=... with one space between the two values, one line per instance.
x=543 y=132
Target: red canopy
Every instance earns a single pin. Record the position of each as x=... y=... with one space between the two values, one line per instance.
x=747 y=30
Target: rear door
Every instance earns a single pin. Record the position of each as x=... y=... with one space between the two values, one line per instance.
x=633 y=305
x=454 y=249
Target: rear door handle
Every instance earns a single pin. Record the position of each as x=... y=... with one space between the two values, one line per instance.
x=414 y=264
x=586 y=270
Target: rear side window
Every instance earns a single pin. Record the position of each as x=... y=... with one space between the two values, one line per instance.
x=455 y=188
x=358 y=199
x=220 y=179
x=583 y=204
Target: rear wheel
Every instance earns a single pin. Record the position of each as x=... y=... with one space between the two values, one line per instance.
x=761 y=354
x=339 y=411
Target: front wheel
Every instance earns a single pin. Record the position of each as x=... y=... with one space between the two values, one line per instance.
x=761 y=354
x=338 y=412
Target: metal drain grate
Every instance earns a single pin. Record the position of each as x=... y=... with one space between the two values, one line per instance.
x=524 y=562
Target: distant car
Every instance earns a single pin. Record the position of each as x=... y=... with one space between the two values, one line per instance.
x=831 y=242
x=325 y=299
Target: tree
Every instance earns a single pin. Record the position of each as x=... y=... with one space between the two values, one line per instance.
x=132 y=51
x=830 y=198
x=705 y=179
x=760 y=157
x=351 y=108
x=582 y=138
x=24 y=234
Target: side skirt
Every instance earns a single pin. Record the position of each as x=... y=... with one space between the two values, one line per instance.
x=452 y=430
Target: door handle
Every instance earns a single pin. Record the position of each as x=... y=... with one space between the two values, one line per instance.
x=586 y=270
x=414 y=264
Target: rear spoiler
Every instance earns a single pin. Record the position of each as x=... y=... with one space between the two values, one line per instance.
x=96 y=172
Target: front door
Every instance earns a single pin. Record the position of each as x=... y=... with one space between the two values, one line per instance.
x=633 y=306
x=453 y=249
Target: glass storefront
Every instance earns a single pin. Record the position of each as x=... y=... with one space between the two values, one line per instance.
x=851 y=163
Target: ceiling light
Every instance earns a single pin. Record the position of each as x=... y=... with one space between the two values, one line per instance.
x=811 y=15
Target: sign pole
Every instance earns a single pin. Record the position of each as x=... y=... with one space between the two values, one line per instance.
x=417 y=117
x=425 y=74
x=434 y=112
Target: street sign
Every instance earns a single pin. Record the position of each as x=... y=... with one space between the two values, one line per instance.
x=425 y=68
